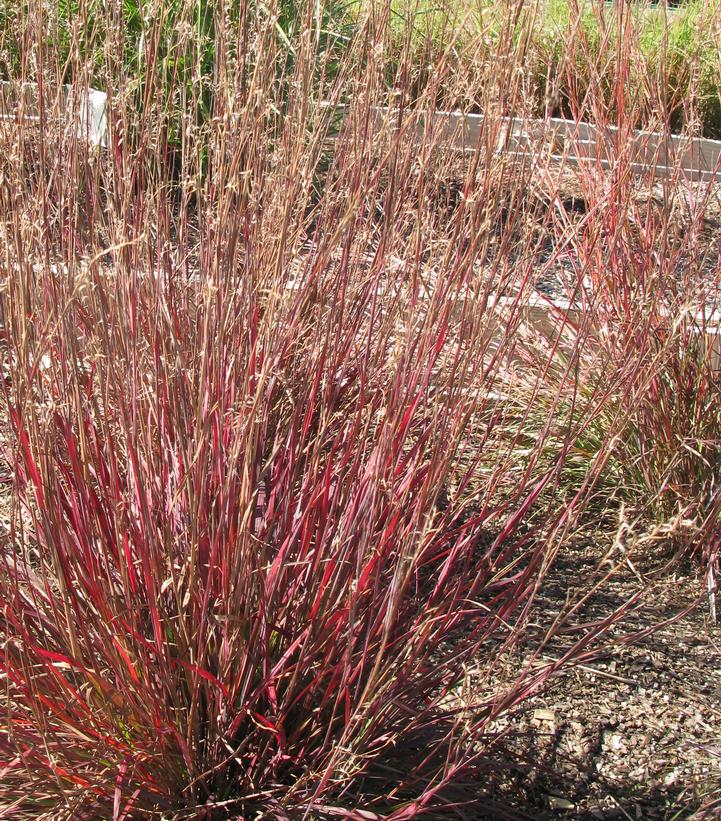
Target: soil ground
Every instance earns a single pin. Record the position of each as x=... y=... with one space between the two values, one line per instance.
x=635 y=733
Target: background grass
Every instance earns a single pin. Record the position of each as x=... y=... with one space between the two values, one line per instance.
x=558 y=45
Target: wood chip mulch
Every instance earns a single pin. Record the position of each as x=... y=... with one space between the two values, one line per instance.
x=632 y=734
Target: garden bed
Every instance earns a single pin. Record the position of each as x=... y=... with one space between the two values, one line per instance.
x=553 y=155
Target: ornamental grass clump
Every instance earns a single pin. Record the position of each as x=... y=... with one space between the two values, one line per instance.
x=260 y=516
x=656 y=276
x=641 y=335
x=265 y=500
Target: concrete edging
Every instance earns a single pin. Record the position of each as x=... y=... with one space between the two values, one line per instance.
x=664 y=155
